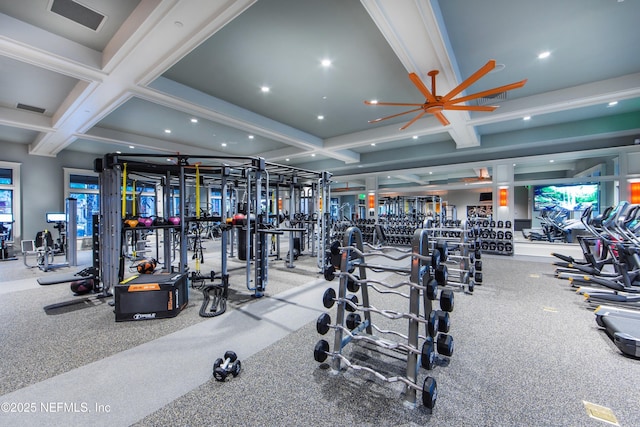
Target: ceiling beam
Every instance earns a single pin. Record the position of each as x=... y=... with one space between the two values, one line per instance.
x=413 y=31
x=156 y=35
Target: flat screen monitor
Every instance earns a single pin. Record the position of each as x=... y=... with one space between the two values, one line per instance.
x=6 y=218
x=56 y=217
x=572 y=197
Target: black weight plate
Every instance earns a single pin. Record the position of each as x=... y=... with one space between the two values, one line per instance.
x=444 y=321
x=322 y=324
x=231 y=356
x=354 y=300
x=320 y=351
x=428 y=356
x=446 y=300
x=353 y=321
x=445 y=345
x=328 y=298
x=429 y=393
x=432 y=289
x=352 y=285
x=433 y=324
x=235 y=369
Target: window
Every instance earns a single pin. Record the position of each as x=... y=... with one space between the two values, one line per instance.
x=83 y=185
x=9 y=197
x=216 y=202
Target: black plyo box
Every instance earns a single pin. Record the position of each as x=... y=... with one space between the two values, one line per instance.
x=151 y=296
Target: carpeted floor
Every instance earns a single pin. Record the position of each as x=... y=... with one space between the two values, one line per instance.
x=527 y=353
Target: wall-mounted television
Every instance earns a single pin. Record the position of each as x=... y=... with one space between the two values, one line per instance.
x=573 y=197
x=486 y=197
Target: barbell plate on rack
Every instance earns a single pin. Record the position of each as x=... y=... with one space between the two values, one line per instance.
x=320 y=351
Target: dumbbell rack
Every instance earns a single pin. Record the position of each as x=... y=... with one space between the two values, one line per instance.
x=497 y=236
x=463 y=246
x=399 y=230
x=352 y=257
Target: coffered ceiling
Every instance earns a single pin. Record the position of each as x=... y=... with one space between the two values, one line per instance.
x=245 y=77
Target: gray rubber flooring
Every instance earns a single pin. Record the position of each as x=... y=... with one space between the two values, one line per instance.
x=527 y=353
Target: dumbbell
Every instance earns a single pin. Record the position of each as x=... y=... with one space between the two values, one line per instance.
x=444 y=346
x=329 y=298
x=230 y=364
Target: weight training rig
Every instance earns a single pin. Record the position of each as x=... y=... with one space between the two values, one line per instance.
x=352 y=328
x=230 y=174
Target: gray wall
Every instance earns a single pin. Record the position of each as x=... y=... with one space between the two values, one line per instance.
x=42 y=183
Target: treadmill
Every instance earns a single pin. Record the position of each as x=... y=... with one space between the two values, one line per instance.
x=623 y=327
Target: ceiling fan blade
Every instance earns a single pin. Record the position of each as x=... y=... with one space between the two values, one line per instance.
x=470 y=107
x=395 y=115
x=396 y=104
x=471 y=80
x=412 y=121
x=488 y=92
x=422 y=88
x=441 y=118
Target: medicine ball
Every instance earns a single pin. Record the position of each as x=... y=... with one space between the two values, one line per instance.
x=147 y=266
x=81 y=287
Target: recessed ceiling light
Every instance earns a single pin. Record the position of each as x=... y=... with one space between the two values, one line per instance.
x=430 y=173
x=612 y=103
x=320 y=117
x=415 y=137
x=373 y=144
x=313 y=154
x=551 y=161
x=224 y=144
x=250 y=136
x=544 y=54
x=324 y=97
x=132 y=147
x=265 y=89
x=286 y=160
x=526 y=118
x=325 y=62
x=118 y=152
x=194 y=120
x=167 y=131
x=388 y=176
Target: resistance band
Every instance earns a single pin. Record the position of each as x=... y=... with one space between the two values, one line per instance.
x=124 y=190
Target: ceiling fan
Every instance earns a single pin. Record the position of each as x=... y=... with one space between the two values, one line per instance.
x=435 y=104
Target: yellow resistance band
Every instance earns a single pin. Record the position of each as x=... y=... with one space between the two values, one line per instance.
x=124 y=191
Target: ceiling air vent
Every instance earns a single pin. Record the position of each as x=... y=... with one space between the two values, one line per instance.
x=30 y=108
x=492 y=99
x=77 y=13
